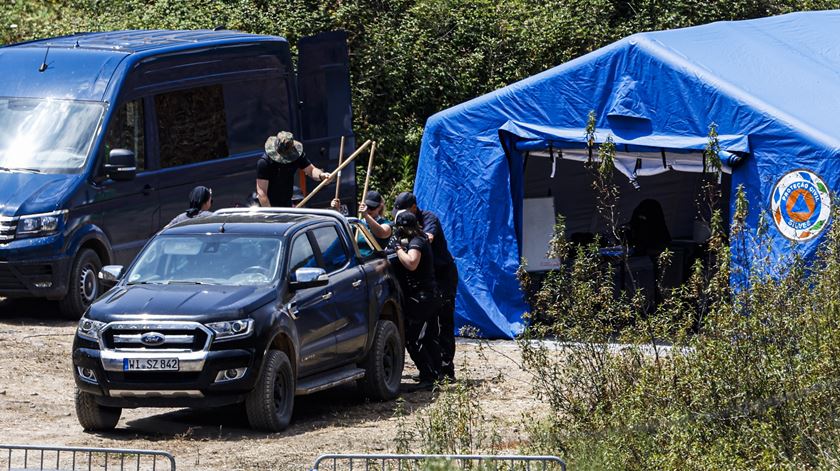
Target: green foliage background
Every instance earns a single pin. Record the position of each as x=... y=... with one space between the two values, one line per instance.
x=410 y=58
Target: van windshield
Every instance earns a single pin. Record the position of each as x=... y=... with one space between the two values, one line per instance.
x=42 y=135
x=217 y=259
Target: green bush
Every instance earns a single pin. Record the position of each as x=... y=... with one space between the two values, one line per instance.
x=713 y=378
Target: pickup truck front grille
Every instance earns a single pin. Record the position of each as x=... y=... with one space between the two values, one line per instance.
x=136 y=340
x=157 y=336
x=8 y=227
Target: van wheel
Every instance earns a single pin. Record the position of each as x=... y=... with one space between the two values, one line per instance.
x=384 y=363
x=83 y=287
x=94 y=417
x=269 y=405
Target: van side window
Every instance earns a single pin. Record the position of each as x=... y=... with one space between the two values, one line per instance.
x=255 y=109
x=126 y=131
x=191 y=126
x=302 y=255
x=332 y=249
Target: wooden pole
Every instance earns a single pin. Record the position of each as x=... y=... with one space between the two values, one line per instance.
x=340 y=156
x=335 y=173
x=369 y=169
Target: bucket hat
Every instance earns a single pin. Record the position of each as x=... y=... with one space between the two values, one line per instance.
x=283 y=148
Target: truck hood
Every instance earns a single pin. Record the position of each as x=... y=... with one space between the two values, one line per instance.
x=33 y=193
x=200 y=303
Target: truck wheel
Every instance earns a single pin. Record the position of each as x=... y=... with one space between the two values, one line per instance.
x=269 y=405
x=384 y=363
x=94 y=417
x=83 y=287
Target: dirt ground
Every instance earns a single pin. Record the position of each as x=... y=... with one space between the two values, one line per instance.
x=36 y=405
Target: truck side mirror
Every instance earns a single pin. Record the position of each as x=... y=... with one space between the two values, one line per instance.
x=109 y=275
x=309 y=278
x=122 y=165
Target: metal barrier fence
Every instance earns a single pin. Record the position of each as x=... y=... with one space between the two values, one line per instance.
x=438 y=462
x=62 y=458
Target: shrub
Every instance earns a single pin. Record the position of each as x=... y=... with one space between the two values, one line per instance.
x=713 y=378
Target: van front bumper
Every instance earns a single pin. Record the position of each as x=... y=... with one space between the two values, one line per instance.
x=34 y=267
x=35 y=278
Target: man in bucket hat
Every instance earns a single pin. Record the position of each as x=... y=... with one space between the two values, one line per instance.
x=277 y=167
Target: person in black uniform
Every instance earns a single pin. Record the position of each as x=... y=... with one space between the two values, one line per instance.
x=277 y=167
x=446 y=274
x=422 y=298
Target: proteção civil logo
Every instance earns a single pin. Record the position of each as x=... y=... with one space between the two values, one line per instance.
x=801 y=205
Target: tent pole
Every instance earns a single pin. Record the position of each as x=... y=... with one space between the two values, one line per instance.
x=553 y=161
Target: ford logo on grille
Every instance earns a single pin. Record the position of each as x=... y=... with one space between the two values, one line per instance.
x=152 y=339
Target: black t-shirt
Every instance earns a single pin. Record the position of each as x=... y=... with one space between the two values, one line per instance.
x=423 y=278
x=431 y=225
x=281 y=178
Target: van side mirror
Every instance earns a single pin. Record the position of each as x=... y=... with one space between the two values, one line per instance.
x=309 y=278
x=109 y=275
x=122 y=165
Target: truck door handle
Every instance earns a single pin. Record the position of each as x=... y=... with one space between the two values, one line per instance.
x=147 y=189
x=327 y=297
x=357 y=283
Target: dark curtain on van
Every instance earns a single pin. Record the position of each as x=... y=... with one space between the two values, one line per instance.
x=192 y=126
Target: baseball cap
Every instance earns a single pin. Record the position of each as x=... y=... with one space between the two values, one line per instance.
x=406 y=218
x=373 y=199
x=405 y=200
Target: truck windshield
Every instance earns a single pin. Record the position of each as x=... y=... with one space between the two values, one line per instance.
x=214 y=259
x=41 y=135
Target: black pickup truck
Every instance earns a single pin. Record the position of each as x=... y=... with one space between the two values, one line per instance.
x=247 y=305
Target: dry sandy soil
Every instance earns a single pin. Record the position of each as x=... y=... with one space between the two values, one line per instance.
x=36 y=405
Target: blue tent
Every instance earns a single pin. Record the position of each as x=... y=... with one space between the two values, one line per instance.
x=771 y=85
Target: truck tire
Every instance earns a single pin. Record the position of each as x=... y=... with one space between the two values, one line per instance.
x=269 y=405
x=94 y=417
x=83 y=287
x=384 y=363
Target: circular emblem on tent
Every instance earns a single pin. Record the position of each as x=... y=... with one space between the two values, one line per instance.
x=801 y=205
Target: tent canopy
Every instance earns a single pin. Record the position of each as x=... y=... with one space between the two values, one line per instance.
x=771 y=86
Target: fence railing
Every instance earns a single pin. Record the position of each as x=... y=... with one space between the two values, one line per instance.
x=63 y=458
x=383 y=462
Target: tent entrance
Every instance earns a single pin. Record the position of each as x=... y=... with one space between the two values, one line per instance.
x=558 y=183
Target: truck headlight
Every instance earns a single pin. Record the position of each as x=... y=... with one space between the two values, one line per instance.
x=38 y=225
x=229 y=330
x=89 y=329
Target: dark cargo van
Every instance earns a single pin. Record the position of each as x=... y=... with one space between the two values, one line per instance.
x=102 y=136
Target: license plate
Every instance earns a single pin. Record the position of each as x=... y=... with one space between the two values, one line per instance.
x=150 y=364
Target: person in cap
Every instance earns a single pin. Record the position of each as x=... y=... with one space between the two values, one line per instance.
x=277 y=167
x=446 y=274
x=201 y=198
x=373 y=209
x=422 y=300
